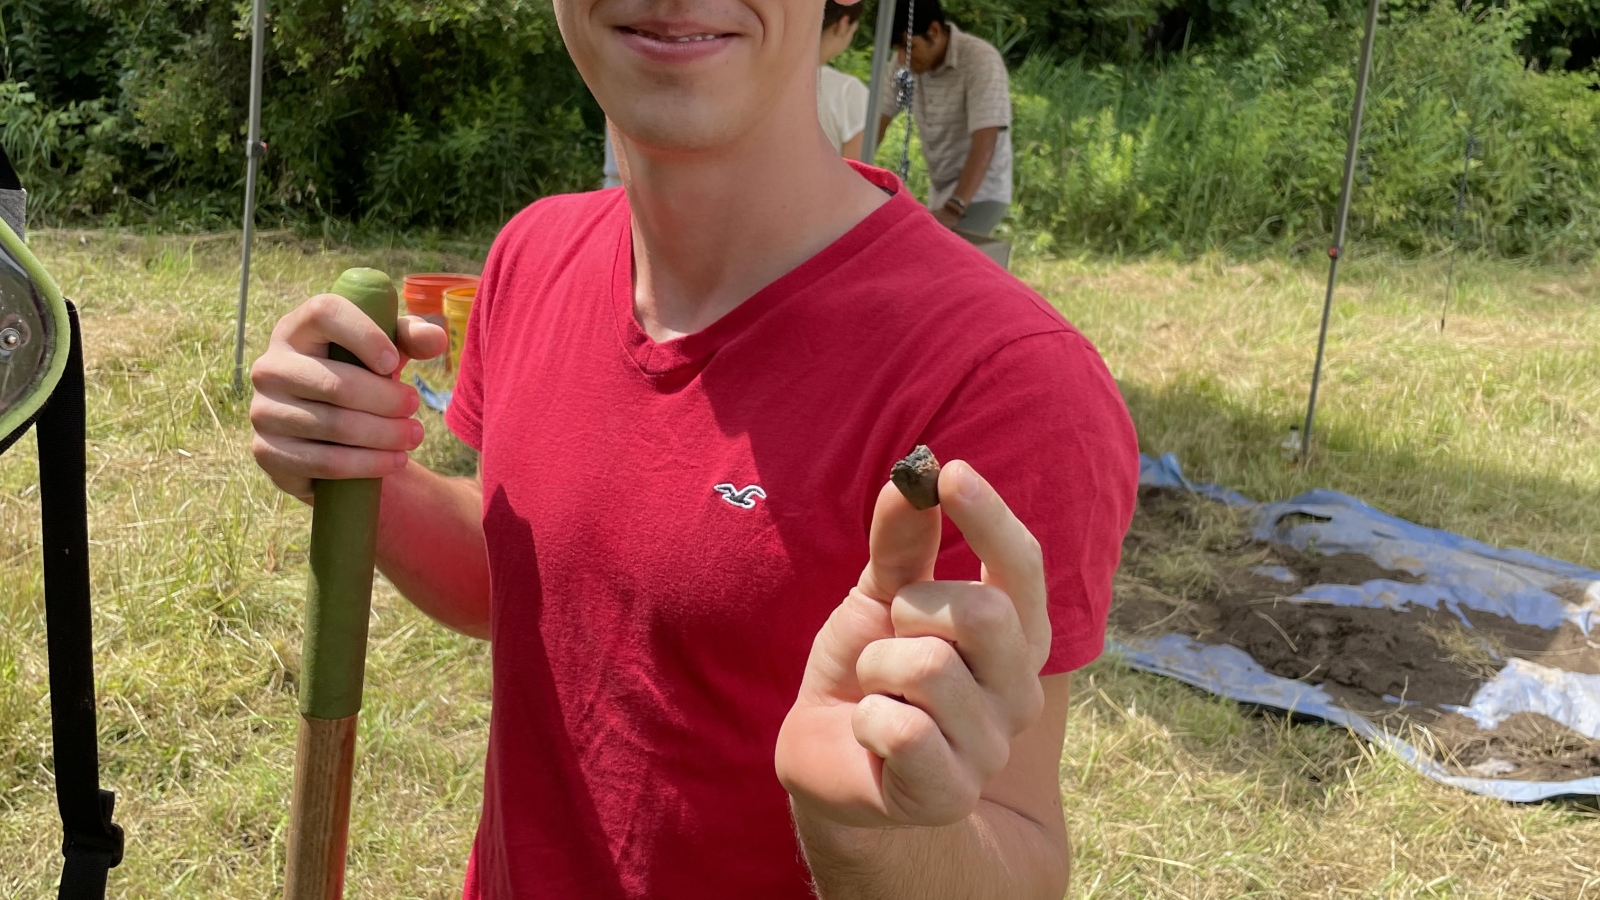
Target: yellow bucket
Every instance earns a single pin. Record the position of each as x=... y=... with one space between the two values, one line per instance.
x=457 y=309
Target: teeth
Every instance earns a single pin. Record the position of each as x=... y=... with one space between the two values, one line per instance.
x=686 y=39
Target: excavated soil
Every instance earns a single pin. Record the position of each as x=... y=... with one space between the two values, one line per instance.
x=1527 y=746
x=1190 y=567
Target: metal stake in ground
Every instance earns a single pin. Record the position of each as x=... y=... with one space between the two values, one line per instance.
x=253 y=152
x=1455 y=226
x=1343 y=215
x=344 y=538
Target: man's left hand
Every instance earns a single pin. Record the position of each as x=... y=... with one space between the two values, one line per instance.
x=915 y=688
x=947 y=216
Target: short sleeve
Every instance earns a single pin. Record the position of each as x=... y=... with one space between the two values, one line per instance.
x=988 y=88
x=841 y=105
x=464 y=416
x=1043 y=421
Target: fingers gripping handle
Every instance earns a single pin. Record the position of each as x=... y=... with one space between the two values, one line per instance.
x=344 y=535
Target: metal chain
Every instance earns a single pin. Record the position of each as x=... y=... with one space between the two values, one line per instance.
x=905 y=91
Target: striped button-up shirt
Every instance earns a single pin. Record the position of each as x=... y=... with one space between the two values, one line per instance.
x=967 y=92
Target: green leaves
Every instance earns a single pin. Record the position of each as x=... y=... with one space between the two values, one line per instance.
x=150 y=123
x=1141 y=124
x=1243 y=151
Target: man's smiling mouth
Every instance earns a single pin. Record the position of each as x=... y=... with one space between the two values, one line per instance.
x=679 y=39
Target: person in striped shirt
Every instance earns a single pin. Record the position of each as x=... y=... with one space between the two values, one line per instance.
x=962 y=107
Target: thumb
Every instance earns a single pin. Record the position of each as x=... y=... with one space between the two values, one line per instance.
x=904 y=544
x=417 y=338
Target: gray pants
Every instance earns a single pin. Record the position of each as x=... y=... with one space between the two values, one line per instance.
x=982 y=217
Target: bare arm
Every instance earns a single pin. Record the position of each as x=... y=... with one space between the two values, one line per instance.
x=1012 y=847
x=972 y=175
x=883 y=127
x=450 y=582
x=977 y=164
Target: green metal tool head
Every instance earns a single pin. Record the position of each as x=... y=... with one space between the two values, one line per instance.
x=34 y=332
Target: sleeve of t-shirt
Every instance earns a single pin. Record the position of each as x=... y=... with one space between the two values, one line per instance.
x=854 y=102
x=464 y=416
x=988 y=90
x=1043 y=421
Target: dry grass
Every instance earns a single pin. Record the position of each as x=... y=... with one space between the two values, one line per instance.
x=199 y=572
x=1480 y=653
x=1486 y=429
x=199 y=577
x=1169 y=794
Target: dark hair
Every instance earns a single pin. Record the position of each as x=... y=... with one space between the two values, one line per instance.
x=928 y=12
x=833 y=12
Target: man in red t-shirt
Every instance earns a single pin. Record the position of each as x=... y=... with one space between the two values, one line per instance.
x=729 y=659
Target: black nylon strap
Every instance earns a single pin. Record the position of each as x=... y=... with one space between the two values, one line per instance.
x=92 y=843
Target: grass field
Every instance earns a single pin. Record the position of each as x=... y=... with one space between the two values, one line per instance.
x=1487 y=428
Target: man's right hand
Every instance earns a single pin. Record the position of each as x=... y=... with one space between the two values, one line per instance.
x=316 y=418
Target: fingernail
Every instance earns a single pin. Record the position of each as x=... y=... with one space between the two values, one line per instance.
x=387 y=361
x=400 y=459
x=966 y=482
x=416 y=432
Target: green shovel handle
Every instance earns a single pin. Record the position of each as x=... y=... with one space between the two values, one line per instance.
x=344 y=540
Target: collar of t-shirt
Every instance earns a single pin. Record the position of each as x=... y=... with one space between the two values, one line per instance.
x=669 y=362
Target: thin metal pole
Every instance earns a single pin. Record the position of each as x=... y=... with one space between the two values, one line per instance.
x=1455 y=227
x=881 y=36
x=252 y=167
x=1343 y=216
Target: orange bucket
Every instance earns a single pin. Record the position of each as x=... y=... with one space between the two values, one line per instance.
x=424 y=296
x=424 y=292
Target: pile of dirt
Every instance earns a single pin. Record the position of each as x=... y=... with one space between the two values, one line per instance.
x=1526 y=746
x=1190 y=567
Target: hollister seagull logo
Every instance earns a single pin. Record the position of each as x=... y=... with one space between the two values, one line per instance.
x=744 y=498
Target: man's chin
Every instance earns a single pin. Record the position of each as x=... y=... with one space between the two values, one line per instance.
x=664 y=129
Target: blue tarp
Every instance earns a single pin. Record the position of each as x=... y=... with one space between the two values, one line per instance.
x=1455 y=573
x=435 y=400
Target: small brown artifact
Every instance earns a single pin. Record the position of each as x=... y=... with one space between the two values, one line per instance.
x=917 y=477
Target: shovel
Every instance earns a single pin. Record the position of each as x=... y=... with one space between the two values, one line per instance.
x=344 y=537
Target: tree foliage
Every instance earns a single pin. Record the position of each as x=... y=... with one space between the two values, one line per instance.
x=449 y=112
x=1141 y=124
x=1243 y=148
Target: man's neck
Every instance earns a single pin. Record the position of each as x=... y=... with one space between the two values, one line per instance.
x=711 y=229
x=943 y=52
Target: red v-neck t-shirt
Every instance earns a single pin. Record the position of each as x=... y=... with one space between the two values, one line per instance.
x=669 y=524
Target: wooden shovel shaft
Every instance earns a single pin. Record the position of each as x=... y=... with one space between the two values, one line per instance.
x=344 y=533
x=319 y=822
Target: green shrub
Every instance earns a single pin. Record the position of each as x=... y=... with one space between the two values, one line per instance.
x=452 y=113
x=1198 y=152
x=68 y=154
x=1169 y=125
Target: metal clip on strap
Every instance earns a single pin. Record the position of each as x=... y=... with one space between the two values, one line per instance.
x=104 y=842
x=90 y=855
